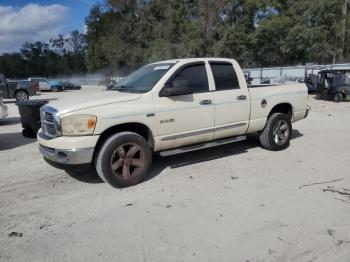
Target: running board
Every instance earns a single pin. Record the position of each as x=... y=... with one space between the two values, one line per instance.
x=203 y=146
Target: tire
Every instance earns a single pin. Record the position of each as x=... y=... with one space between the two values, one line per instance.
x=21 y=95
x=276 y=138
x=112 y=161
x=338 y=97
x=54 y=89
x=318 y=96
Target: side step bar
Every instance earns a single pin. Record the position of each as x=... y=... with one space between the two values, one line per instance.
x=181 y=150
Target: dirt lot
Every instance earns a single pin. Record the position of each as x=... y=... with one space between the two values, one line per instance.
x=232 y=203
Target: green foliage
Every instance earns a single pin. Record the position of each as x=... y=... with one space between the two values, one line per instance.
x=303 y=31
x=255 y=32
x=237 y=43
x=62 y=56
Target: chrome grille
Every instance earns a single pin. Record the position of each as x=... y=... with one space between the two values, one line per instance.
x=49 y=117
x=49 y=124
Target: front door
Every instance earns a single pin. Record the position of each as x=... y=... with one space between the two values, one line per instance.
x=187 y=119
x=232 y=101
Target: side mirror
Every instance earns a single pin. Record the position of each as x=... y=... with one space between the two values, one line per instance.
x=176 y=88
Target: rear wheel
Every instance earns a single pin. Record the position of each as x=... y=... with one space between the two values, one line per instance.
x=318 y=96
x=21 y=95
x=277 y=132
x=124 y=159
x=338 y=97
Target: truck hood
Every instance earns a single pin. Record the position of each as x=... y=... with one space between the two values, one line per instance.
x=76 y=103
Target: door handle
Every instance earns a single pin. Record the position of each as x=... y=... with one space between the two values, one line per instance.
x=242 y=97
x=205 y=102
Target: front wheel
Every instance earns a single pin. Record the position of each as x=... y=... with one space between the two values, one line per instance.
x=124 y=159
x=277 y=132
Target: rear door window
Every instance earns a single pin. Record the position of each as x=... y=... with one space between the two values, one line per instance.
x=224 y=75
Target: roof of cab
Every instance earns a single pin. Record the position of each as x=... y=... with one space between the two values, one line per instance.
x=189 y=60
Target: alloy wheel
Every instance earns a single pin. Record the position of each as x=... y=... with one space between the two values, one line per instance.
x=281 y=132
x=128 y=161
x=22 y=97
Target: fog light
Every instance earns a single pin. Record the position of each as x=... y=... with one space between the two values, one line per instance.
x=62 y=157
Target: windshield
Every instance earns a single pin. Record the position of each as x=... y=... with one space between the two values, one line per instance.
x=143 y=79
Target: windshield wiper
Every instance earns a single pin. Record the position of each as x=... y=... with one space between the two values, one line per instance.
x=121 y=88
x=129 y=90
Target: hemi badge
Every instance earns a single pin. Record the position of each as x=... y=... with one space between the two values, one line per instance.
x=150 y=115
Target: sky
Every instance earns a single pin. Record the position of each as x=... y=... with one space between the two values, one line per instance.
x=39 y=20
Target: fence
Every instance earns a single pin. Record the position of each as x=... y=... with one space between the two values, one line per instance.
x=275 y=75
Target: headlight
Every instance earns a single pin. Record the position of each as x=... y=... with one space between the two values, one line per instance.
x=78 y=125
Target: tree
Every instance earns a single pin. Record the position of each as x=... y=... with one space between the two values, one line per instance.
x=61 y=56
x=302 y=31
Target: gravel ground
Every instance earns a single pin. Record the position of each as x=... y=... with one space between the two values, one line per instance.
x=236 y=202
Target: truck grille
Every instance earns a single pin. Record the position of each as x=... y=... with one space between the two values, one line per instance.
x=49 y=124
x=49 y=117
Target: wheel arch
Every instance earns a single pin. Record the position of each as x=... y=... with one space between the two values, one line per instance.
x=135 y=127
x=18 y=90
x=284 y=108
x=343 y=94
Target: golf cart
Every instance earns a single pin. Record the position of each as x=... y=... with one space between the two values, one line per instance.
x=333 y=85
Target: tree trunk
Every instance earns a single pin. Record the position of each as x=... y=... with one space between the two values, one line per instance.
x=343 y=31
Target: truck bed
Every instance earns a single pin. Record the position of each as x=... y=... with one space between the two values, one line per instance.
x=292 y=94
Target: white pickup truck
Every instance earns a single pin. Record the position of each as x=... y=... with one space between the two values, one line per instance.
x=169 y=107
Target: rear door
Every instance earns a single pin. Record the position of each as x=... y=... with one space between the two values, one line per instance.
x=187 y=119
x=232 y=101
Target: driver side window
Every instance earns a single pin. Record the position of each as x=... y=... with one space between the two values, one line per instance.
x=195 y=77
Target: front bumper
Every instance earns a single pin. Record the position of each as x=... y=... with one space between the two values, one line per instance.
x=64 y=152
x=67 y=157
